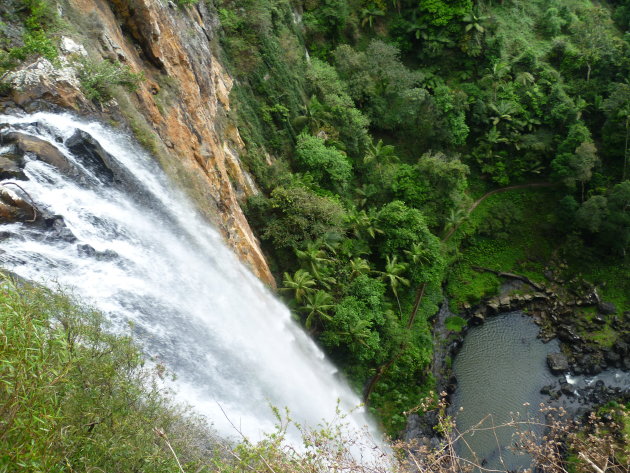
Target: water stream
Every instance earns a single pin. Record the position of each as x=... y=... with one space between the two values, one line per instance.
x=144 y=257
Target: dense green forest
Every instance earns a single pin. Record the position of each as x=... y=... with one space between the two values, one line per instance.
x=372 y=127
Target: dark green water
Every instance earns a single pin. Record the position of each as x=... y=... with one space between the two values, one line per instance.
x=500 y=369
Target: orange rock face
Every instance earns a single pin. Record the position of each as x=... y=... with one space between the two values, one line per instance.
x=174 y=48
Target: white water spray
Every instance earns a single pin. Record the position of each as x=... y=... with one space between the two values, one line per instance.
x=155 y=263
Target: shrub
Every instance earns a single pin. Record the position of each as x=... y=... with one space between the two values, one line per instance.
x=98 y=77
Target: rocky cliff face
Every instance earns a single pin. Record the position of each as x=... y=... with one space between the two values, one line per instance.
x=182 y=107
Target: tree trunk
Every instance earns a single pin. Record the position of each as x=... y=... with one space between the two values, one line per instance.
x=625 y=149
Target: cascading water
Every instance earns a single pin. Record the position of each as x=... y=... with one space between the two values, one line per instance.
x=143 y=256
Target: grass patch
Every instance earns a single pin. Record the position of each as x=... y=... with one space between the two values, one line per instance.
x=507 y=232
x=605 y=337
x=455 y=323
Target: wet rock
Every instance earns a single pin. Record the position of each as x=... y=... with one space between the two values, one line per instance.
x=477 y=318
x=567 y=389
x=590 y=365
x=11 y=167
x=546 y=389
x=451 y=386
x=567 y=333
x=40 y=148
x=621 y=347
x=15 y=209
x=90 y=252
x=557 y=363
x=82 y=145
x=493 y=307
x=606 y=308
x=611 y=356
x=59 y=230
x=86 y=250
x=422 y=426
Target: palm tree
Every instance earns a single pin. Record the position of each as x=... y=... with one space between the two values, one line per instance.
x=369 y=14
x=362 y=194
x=455 y=219
x=418 y=254
x=300 y=284
x=502 y=112
x=524 y=78
x=358 y=267
x=313 y=257
x=474 y=21
x=315 y=117
x=363 y=223
x=317 y=307
x=358 y=332
x=392 y=274
x=379 y=154
x=497 y=75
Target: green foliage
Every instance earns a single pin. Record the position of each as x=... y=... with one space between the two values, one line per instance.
x=387 y=91
x=435 y=184
x=77 y=398
x=294 y=215
x=402 y=226
x=442 y=12
x=505 y=93
x=333 y=111
x=455 y=323
x=99 y=77
x=325 y=164
x=325 y=22
x=38 y=18
x=36 y=42
x=453 y=106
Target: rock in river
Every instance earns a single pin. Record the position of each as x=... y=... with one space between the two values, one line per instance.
x=557 y=363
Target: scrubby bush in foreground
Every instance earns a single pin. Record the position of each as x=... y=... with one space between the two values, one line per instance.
x=74 y=397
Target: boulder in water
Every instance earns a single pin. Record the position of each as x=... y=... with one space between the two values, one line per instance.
x=13 y=208
x=546 y=389
x=92 y=154
x=557 y=363
x=42 y=149
x=11 y=167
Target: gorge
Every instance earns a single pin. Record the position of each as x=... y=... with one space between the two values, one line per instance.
x=311 y=205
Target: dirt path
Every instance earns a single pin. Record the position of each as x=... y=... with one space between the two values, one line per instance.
x=491 y=193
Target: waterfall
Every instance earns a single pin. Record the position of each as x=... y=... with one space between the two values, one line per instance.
x=135 y=249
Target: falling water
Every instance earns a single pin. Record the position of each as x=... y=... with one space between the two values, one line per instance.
x=154 y=264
